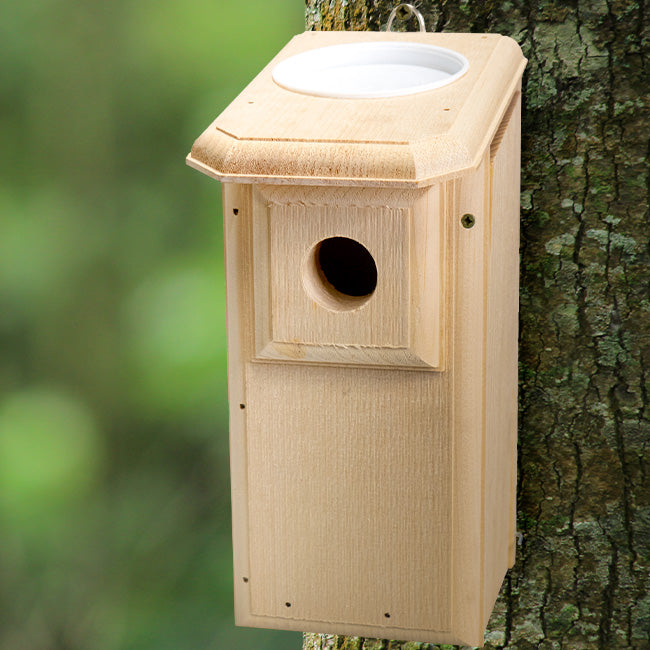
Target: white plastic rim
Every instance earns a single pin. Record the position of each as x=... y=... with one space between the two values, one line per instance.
x=370 y=70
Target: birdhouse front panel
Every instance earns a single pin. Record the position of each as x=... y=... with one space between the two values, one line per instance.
x=343 y=504
x=371 y=282
x=358 y=491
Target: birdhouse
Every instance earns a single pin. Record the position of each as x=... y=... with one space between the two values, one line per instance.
x=371 y=216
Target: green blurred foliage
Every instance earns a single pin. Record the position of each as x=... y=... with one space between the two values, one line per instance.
x=114 y=485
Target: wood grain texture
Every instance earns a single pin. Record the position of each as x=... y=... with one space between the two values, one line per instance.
x=501 y=362
x=270 y=134
x=423 y=468
x=467 y=398
x=402 y=232
x=385 y=233
x=372 y=534
x=406 y=394
x=239 y=298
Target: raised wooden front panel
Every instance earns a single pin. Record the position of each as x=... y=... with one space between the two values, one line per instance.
x=400 y=325
x=384 y=232
x=349 y=480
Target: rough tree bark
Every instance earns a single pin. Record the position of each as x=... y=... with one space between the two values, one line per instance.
x=582 y=577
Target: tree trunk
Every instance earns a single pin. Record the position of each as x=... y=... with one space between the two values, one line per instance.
x=582 y=576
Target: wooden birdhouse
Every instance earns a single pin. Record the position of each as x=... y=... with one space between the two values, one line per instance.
x=371 y=209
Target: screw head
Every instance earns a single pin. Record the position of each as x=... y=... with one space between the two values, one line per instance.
x=468 y=220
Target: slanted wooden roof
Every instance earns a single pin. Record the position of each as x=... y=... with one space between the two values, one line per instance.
x=273 y=135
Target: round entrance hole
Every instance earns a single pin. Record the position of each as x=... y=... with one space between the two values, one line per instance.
x=340 y=273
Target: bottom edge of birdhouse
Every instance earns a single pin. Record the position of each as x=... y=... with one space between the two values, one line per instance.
x=367 y=631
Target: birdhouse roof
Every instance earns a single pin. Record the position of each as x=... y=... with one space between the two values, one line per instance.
x=270 y=134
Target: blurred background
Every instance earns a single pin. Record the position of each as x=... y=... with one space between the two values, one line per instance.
x=114 y=482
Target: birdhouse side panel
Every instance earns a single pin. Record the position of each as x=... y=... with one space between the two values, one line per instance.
x=468 y=195
x=501 y=362
x=237 y=228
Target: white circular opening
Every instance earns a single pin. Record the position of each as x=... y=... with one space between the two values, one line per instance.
x=370 y=70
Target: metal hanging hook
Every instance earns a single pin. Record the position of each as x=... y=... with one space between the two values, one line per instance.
x=405 y=11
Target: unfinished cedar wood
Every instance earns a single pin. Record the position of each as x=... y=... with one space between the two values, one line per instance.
x=410 y=400
x=272 y=135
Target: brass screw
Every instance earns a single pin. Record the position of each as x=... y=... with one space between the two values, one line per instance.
x=468 y=220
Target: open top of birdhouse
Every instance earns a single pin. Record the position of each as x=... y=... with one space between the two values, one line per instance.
x=365 y=108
